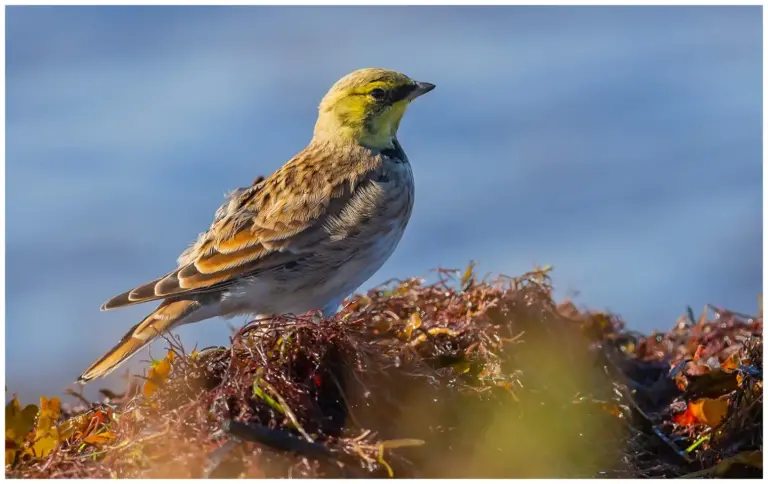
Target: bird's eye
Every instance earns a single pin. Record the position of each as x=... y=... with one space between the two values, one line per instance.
x=378 y=94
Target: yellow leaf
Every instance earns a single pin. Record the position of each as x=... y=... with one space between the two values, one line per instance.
x=397 y=443
x=47 y=434
x=101 y=438
x=467 y=277
x=11 y=449
x=413 y=323
x=709 y=411
x=158 y=374
x=432 y=332
x=18 y=422
x=731 y=363
x=462 y=366
x=50 y=408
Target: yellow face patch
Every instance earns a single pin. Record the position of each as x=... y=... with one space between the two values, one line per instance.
x=368 y=112
x=384 y=126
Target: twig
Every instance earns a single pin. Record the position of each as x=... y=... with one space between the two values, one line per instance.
x=78 y=395
x=286 y=409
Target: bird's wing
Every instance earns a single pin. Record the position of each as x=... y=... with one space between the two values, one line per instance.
x=272 y=224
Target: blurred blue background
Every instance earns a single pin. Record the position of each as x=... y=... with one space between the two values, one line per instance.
x=620 y=144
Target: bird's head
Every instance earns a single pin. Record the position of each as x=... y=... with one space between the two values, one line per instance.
x=366 y=107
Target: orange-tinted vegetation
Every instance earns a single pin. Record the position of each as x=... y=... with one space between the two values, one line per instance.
x=460 y=378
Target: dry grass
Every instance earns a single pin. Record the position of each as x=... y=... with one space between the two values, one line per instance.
x=460 y=378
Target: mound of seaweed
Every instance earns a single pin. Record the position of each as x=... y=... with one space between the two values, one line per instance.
x=460 y=378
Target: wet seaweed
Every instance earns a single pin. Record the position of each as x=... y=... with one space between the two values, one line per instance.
x=460 y=377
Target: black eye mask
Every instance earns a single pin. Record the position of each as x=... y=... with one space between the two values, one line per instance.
x=400 y=92
x=387 y=97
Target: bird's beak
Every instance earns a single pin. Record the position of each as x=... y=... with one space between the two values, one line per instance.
x=421 y=88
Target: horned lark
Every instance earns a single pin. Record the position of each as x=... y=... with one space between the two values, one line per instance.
x=305 y=237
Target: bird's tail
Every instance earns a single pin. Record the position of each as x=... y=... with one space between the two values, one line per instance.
x=166 y=316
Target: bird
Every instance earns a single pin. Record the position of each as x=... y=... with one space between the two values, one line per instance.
x=303 y=238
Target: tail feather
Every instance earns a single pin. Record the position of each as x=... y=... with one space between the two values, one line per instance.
x=137 y=295
x=166 y=316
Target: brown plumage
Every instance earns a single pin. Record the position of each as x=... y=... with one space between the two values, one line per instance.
x=303 y=238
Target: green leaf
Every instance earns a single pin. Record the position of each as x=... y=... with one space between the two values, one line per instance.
x=263 y=395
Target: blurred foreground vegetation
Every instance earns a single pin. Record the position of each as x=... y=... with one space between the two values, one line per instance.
x=461 y=378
